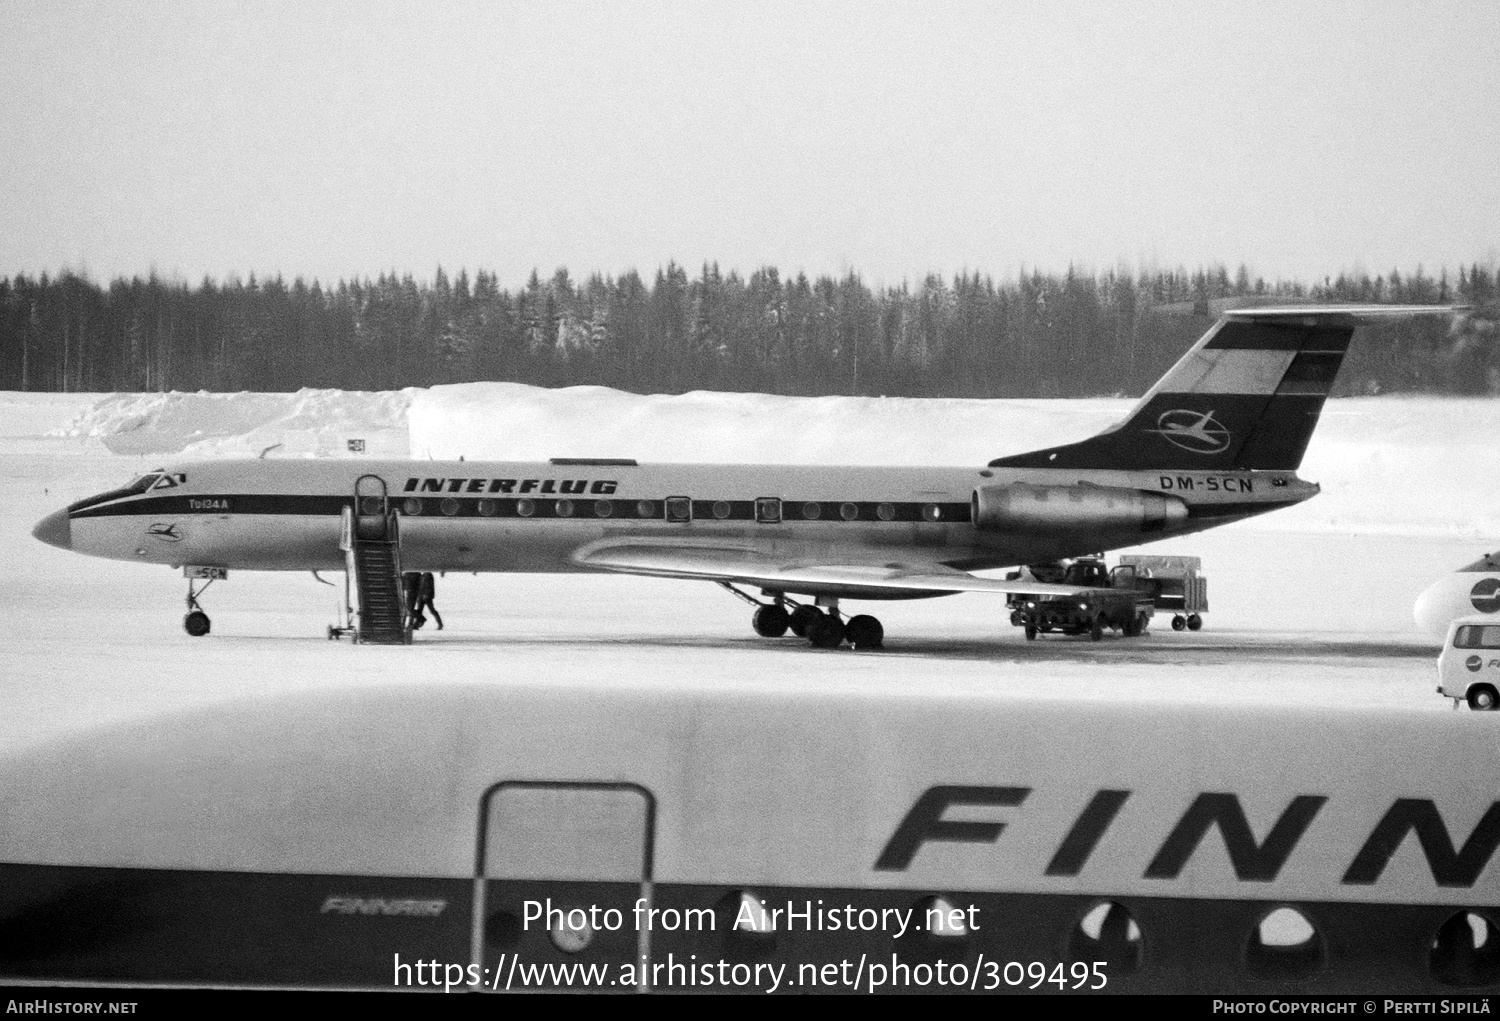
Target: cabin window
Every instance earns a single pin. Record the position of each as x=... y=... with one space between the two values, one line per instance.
x=849 y=511
x=564 y=508
x=811 y=511
x=603 y=508
x=488 y=508
x=721 y=509
x=1285 y=946
x=931 y=512
x=449 y=506
x=768 y=510
x=1465 y=951
x=1110 y=935
x=525 y=508
x=886 y=512
x=412 y=506
x=679 y=509
x=645 y=508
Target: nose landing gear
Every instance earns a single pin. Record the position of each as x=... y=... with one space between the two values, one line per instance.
x=195 y=622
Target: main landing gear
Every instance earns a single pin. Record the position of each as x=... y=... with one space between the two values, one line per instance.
x=822 y=625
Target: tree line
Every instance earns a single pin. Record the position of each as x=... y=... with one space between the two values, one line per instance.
x=1038 y=335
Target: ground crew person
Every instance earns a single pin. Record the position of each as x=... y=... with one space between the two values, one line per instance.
x=427 y=588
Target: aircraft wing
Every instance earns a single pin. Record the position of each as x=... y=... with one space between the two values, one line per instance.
x=805 y=577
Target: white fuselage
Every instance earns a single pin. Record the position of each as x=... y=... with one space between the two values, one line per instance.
x=536 y=517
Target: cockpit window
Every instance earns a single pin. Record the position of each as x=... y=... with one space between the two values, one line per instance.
x=157 y=479
x=141 y=483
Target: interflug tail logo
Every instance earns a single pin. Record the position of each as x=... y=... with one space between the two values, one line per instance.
x=1197 y=432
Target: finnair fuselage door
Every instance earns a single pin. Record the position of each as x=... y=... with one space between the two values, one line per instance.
x=565 y=870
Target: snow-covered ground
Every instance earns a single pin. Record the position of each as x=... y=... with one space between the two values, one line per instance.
x=1309 y=607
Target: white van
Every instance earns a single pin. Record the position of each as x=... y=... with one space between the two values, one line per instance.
x=1469 y=666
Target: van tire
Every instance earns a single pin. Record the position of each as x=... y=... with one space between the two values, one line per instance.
x=1482 y=697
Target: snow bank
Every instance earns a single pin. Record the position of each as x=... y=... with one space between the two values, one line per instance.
x=510 y=421
x=1412 y=465
x=1419 y=466
x=33 y=414
x=308 y=423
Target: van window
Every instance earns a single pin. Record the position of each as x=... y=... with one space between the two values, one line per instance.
x=1477 y=636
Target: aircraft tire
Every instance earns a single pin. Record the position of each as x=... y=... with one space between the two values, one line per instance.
x=1482 y=698
x=196 y=624
x=1179 y=622
x=1096 y=627
x=826 y=632
x=801 y=618
x=770 y=621
x=1194 y=622
x=864 y=632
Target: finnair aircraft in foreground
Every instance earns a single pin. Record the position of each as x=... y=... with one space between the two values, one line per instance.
x=1473 y=589
x=1218 y=439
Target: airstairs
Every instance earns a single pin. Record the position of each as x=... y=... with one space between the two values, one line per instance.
x=370 y=537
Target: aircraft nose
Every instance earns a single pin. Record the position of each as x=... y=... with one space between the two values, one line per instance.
x=55 y=530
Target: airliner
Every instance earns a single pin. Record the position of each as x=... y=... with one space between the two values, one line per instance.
x=1472 y=589
x=1218 y=439
x=511 y=833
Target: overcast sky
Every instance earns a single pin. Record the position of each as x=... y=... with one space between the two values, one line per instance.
x=334 y=140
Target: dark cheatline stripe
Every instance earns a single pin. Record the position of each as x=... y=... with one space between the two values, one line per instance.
x=257 y=503
x=1280 y=337
x=524 y=508
x=1198 y=511
x=60 y=923
x=657 y=509
x=113 y=494
x=158 y=925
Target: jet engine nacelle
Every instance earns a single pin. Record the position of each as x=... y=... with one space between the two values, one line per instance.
x=1025 y=508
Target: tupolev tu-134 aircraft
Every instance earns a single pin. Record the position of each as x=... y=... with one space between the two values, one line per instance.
x=1219 y=438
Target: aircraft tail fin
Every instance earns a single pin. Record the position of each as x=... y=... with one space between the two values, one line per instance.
x=1246 y=396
